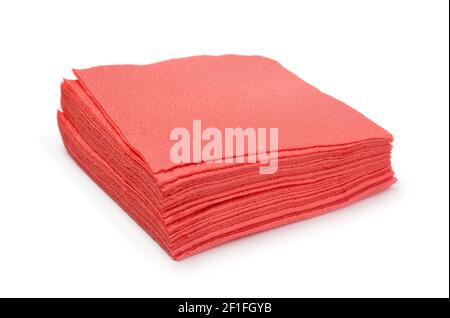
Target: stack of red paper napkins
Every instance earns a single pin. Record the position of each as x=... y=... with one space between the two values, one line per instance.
x=203 y=150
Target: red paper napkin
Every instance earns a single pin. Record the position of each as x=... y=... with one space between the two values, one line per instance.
x=116 y=123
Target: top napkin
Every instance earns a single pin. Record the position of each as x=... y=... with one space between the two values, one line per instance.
x=146 y=102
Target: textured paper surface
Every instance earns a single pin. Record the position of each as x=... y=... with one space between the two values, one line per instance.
x=225 y=91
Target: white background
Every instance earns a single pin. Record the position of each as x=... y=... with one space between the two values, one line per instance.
x=60 y=235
